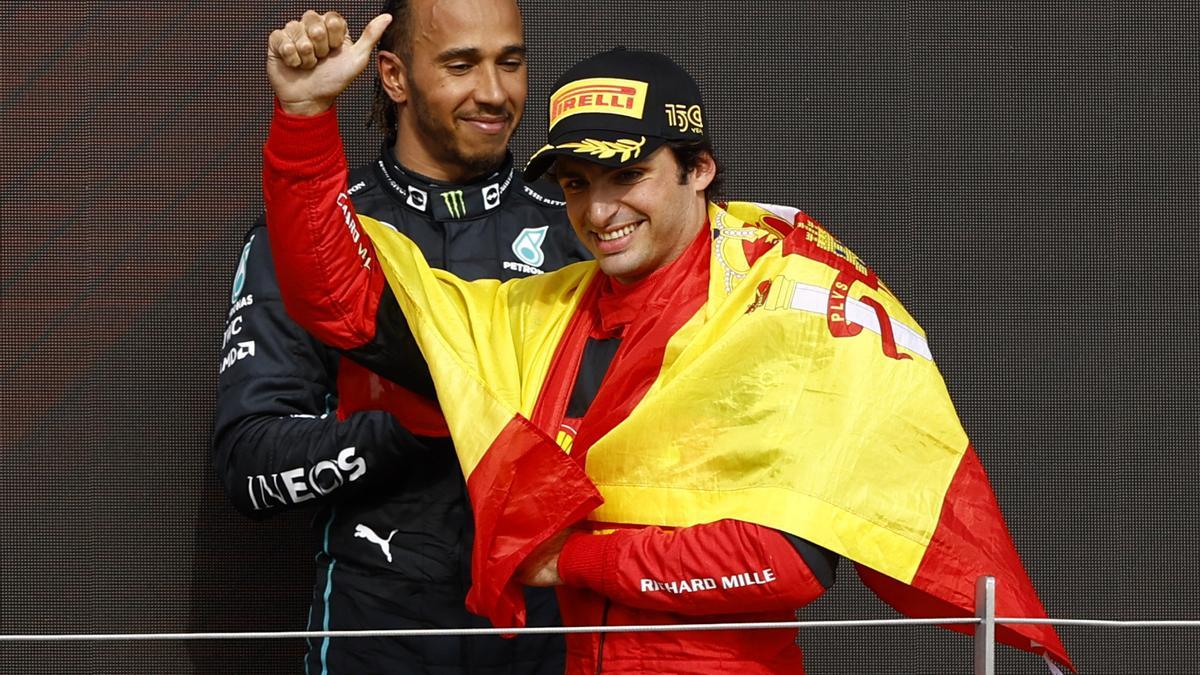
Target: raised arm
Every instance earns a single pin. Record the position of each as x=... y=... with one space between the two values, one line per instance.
x=328 y=276
x=325 y=270
x=327 y=273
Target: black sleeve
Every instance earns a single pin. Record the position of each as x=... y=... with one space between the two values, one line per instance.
x=821 y=561
x=394 y=353
x=276 y=440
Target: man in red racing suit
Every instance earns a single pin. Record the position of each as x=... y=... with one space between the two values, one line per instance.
x=727 y=570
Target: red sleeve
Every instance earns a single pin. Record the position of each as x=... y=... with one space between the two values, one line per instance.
x=328 y=275
x=726 y=567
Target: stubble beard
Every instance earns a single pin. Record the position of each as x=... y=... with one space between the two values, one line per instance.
x=442 y=142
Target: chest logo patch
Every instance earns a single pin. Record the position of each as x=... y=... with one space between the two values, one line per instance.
x=528 y=245
x=456 y=203
x=239 y=277
x=491 y=196
x=417 y=198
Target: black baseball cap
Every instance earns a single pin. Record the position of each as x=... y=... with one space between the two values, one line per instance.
x=618 y=107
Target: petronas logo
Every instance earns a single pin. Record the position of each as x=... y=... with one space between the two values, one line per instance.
x=456 y=203
x=239 y=278
x=528 y=245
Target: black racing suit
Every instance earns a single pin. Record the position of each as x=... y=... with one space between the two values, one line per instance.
x=394 y=529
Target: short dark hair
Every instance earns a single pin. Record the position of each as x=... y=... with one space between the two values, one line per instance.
x=688 y=154
x=397 y=38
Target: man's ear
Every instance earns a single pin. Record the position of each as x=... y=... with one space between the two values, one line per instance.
x=393 y=76
x=704 y=171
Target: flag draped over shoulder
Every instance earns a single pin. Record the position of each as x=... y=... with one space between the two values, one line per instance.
x=800 y=396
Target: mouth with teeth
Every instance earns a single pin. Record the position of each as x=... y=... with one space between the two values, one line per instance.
x=613 y=241
x=616 y=234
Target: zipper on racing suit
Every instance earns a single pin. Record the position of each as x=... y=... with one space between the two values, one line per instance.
x=600 y=644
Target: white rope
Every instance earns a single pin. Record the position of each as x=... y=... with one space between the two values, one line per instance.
x=443 y=632
x=1107 y=623
x=542 y=630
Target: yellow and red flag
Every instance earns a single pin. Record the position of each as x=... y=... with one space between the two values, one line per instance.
x=798 y=394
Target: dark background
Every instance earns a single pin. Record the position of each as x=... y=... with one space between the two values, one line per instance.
x=1023 y=175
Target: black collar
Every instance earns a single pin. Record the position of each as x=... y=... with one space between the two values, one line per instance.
x=446 y=201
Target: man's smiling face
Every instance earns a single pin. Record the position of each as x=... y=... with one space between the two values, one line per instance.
x=466 y=86
x=635 y=218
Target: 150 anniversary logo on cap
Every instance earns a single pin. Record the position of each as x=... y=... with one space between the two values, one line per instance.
x=598 y=95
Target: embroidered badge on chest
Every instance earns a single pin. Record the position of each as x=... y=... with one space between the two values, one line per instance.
x=528 y=245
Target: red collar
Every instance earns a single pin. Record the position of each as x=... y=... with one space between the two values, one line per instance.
x=619 y=304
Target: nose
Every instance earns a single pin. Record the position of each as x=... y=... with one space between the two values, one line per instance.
x=602 y=207
x=489 y=89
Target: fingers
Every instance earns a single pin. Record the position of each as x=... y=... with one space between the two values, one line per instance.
x=315 y=32
x=301 y=44
x=280 y=45
x=310 y=62
x=338 y=29
x=326 y=31
x=372 y=33
x=293 y=46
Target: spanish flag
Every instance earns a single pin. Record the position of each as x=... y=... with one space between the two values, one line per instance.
x=797 y=394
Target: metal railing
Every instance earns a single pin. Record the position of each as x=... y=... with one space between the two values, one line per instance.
x=985 y=621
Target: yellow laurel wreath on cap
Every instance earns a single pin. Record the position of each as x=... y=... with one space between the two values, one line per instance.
x=542 y=149
x=608 y=149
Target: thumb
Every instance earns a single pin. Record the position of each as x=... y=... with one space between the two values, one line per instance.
x=372 y=33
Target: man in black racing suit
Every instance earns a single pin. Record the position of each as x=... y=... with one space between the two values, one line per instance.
x=298 y=424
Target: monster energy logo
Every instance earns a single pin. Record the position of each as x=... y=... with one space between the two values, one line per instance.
x=456 y=203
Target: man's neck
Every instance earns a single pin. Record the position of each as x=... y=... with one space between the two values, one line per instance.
x=446 y=199
x=413 y=157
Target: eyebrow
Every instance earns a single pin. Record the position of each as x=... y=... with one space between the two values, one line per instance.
x=475 y=52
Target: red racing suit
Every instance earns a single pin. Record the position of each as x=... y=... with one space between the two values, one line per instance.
x=725 y=571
